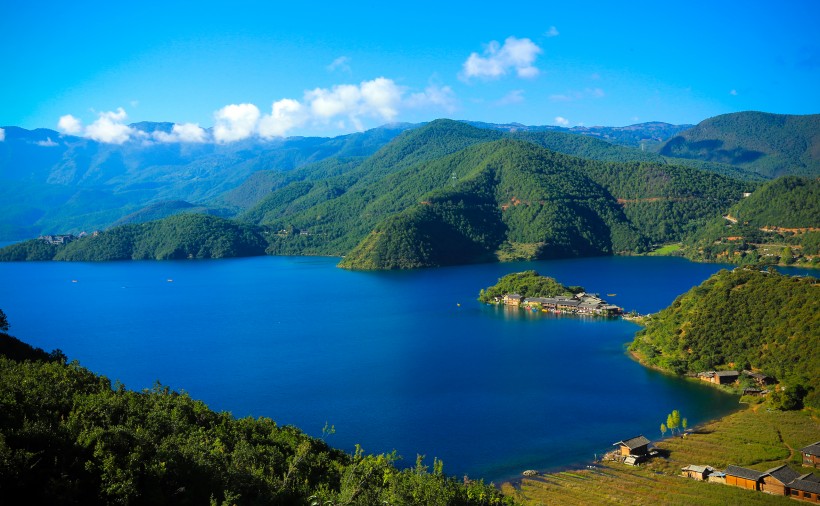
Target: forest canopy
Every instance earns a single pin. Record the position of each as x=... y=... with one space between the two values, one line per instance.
x=741 y=319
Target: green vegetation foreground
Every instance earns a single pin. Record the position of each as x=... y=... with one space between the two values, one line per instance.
x=68 y=437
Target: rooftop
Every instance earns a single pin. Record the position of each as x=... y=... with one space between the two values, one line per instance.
x=742 y=472
x=784 y=474
x=812 y=449
x=635 y=442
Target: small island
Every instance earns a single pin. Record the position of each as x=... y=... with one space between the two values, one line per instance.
x=529 y=290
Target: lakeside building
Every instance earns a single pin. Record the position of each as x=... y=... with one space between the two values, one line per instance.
x=719 y=377
x=581 y=303
x=57 y=239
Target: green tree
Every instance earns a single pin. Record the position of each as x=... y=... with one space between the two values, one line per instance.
x=685 y=424
x=787 y=257
x=4 y=322
x=663 y=430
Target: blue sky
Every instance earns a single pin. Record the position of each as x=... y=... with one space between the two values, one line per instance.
x=318 y=68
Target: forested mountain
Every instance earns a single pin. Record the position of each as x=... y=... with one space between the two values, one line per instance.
x=506 y=192
x=778 y=223
x=53 y=183
x=450 y=193
x=177 y=237
x=769 y=144
x=743 y=319
x=67 y=436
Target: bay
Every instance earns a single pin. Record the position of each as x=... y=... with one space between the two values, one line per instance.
x=394 y=360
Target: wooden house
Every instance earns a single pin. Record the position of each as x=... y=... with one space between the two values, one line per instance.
x=759 y=378
x=742 y=477
x=513 y=299
x=725 y=377
x=806 y=488
x=700 y=473
x=811 y=455
x=775 y=481
x=637 y=446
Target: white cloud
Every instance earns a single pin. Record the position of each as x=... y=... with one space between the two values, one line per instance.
x=434 y=96
x=341 y=63
x=561 y=121
x=513 y=97
x=184 y=132
x=70 y=125
x=2 y=134
x=109 y=127
x=733 y=93
x=48 y=143
x=381 y=97
x=235 y=122
x=515 y=54
x=552 y=32
x=285 y=115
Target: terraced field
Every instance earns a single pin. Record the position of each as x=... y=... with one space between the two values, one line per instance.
x=753 y=438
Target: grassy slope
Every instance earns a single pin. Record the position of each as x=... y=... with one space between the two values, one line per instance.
x=751 y=438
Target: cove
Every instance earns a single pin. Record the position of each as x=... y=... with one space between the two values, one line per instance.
x=395 y=360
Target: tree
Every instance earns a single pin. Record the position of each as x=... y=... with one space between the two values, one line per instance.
x=787 y=257
x=685 y=424
x=663 y=429
x=673 y=420
x=4 y=322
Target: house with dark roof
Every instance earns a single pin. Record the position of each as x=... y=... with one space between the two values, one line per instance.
x=811 y=455
x=719 y=377
x=637 y=446
x=806 y=488
x=742 y=477
x=775 y=481
x=759 y=378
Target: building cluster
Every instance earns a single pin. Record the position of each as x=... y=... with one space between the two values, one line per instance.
x=57 y=239
x=780 y=480
x=581 y=303
x=61 y=239
x=731 y=377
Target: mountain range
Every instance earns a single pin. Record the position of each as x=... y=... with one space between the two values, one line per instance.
x=401 y=195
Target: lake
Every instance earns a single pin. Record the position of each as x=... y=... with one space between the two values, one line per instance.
x=395 y=360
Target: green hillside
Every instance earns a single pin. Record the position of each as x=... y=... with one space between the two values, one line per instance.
x=508 y=192
x=778 y=223
x=332 y=215
x=176 y=237
x=742 y=319
x=445 y=193
x=769 y=144
x=68 y=436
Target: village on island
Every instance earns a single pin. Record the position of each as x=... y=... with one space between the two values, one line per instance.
x=580 y=303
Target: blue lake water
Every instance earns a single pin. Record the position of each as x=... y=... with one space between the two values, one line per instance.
x=395 y=360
